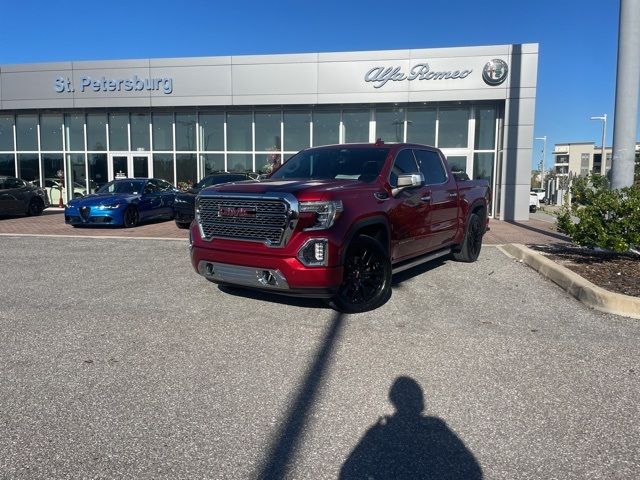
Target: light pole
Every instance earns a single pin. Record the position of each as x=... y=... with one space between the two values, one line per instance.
x=603 y=159
x=544 y=153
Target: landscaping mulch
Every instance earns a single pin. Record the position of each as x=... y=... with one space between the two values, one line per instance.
x=615 y=272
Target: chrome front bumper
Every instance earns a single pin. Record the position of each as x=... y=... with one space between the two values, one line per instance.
x=245 y=276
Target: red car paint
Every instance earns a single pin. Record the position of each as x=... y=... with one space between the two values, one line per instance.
x=407 y=224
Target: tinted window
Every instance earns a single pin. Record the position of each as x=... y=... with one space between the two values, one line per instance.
x=218 y=179
x=122 y=186
x=13 y=183
x=362 y=164
x=431 y=167
x=165 y=186
x=151 y=187
x=404 y=164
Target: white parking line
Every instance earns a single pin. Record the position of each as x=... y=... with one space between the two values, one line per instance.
x=119 y=237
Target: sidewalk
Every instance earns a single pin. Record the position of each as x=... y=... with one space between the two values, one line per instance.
x=52 y=223
x=532 y=231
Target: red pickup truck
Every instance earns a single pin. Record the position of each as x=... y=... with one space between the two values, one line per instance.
x=337 y=221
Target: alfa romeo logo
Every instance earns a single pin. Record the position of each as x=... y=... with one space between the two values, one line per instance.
x=495 y=72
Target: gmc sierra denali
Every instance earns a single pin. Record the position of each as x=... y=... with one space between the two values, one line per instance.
x=337 y=221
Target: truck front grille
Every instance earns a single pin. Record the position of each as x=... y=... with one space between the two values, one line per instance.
x=257 y=220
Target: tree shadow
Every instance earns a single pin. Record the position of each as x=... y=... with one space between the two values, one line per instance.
x=409 y=445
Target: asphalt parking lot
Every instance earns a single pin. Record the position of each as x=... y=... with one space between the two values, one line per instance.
x=118 y=361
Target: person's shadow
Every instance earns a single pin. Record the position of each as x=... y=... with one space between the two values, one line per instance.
x=408 y=445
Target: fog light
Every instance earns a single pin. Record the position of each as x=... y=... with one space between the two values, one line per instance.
x=314 y=252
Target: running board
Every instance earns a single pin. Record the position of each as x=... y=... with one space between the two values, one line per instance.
x=421 y=260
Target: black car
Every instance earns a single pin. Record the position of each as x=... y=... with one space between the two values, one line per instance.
x=184 y=206
x=20 y=197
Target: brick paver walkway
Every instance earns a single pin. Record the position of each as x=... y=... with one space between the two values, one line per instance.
x=52 y=223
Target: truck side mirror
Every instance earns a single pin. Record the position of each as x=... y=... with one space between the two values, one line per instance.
x=411 y=180
x=408 y=181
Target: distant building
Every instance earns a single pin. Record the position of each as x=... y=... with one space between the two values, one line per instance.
x=581 y=158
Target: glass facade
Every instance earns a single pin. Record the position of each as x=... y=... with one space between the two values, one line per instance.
x=183 y=145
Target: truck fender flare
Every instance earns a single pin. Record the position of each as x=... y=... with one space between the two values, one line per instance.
x=478 y=203
x=376 y=220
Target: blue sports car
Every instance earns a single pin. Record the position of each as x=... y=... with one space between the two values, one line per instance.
x=124 y=202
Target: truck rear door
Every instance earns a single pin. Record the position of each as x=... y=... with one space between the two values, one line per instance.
x=442 y=191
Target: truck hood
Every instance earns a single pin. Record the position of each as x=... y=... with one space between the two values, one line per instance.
x=314 y=189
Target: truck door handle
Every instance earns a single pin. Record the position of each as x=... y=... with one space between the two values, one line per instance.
x=453 y=194
x=426 y=198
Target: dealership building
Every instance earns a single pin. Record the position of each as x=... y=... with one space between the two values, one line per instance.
x=182 y=118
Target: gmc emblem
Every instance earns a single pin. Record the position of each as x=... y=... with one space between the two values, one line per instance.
x=237 y=212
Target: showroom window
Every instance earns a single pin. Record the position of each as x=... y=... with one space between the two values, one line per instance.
x=267 y=126
x=162 y=131
x=296 y=130
x=212 y=163
x=453 y=127
x=6 y=133
x=118 y=131
x=163 y=166
x=211 y=131
x=326 y=127
x=355 y=126
x=185 y=132
x=485 y=135
x=239 y=131
x=421 y=125
x=140 y=131
x=390 y=125
x=27 y=132
x=240 y=162
x=50 y=132
x=98 y=174
x=28 y=168
x=186 y=169
x=97 y=132
x=7 y=164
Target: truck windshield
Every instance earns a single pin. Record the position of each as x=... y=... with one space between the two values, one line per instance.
x=340 y=163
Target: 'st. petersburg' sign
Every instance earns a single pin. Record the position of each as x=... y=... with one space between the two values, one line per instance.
x=379 y=76
x=104 y=84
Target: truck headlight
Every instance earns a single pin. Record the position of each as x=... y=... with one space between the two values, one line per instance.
x=320 y=215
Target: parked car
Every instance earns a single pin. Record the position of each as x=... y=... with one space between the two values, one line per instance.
x=20 y=197
x=336 y=222
x=534 y=202
x=124 y=202
x=541 y=193
x=53 y=188
x=184 y=207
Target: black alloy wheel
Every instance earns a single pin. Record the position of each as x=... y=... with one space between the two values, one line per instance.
x=36 y=207
x=472 y=243
x=131 y=217
x=366 y=281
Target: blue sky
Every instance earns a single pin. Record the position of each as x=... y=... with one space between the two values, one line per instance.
x=578 y=39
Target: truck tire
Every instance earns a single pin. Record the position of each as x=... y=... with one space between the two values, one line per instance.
x=366 y=282
x=472 y=243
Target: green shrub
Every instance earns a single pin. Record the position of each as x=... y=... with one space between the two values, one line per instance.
x=607 y=219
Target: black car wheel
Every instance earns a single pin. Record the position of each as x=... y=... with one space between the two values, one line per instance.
x=366 y=283
x=36 y=207
x=131 y=217
x=472 y=243
x=182 y=225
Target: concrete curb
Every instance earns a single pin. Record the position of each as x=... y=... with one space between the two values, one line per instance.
x=592 y=295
